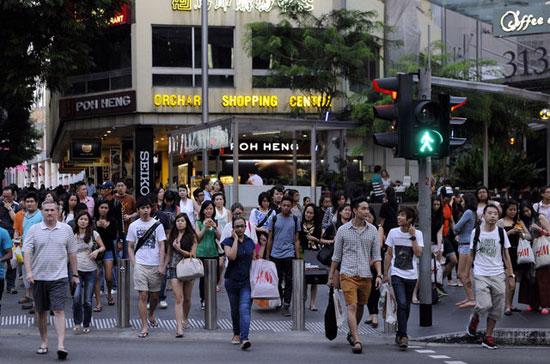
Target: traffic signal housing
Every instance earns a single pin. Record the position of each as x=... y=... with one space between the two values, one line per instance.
x=427 y=137
x=400 y=88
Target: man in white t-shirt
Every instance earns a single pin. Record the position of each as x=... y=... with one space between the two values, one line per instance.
x=254 y=179
x=148 y=261
x=401 y=264
x=489 y=249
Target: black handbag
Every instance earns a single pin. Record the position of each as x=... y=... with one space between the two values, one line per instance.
x=325 y=254
x=331 y=328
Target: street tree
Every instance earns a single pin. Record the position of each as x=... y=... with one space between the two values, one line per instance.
x=316 y=54
x=42 y=41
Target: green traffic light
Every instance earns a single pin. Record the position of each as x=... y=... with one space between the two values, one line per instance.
x=429 y=141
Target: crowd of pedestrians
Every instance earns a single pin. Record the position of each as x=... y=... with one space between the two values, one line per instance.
x=71 y=239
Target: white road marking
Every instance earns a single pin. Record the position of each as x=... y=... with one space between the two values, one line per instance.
x=425 y=351
x=454 y=362
x=440 y=357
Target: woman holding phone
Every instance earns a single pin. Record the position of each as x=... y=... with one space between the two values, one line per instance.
x=240 y=250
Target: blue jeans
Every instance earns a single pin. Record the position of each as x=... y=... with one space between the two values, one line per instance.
x=403 y=289
x=82 y=299
x=240 y=302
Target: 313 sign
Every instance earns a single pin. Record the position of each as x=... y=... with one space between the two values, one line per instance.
x=520 y=62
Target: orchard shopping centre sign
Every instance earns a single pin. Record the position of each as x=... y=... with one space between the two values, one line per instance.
x=240 y=102
x=522 y=20
x=245 y=6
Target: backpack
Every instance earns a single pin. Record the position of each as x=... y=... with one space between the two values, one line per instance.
x=274 y=219
x=476 y=240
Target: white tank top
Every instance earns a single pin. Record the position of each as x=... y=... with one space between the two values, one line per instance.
x=222 y=218
x=187 y=207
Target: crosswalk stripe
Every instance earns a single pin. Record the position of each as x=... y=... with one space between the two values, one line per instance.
x=454 y=362
x=425 y=351
x=440 y=357
x=279 y=326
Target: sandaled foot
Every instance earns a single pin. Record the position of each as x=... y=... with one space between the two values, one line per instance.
x=236 y=340
x=111 y=301
x=143 y=335
x=357 y=348
x=77 y=330
x=42 y=350
x=153 y=322
x=374 y=323
x=98 y=308
x=313 y=308
x=350 y=340
x=86 y=330
x=185 y=324
x=62 y=354
x=179 y=334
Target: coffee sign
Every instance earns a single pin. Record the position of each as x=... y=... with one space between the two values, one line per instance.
x=516 y=21
x=98 y=105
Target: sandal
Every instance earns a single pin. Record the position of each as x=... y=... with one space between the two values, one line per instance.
x=98 y=308
x=313 y=308
x=349 y=338
x=178 y=335
x=62 y=354
x=111 y=301
x=185 y=324
x=374 y=323
x=86 y=330
x=153 y=322
x=76 y=330
x=143 y=335
x=508 y=312
x=357 y=350
x=42 y=351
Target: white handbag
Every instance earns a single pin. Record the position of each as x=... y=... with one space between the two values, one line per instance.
x=189 y=269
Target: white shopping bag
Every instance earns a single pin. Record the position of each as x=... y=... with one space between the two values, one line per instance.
x=339 y=307
x=541 y=248
x=525 y=252
x=388 y=304
x=263 y=279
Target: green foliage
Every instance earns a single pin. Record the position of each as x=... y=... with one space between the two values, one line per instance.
x=314 y=54
x=42 y=41
x=507 y=169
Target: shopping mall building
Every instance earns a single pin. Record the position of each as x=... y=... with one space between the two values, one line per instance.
x=146 y=86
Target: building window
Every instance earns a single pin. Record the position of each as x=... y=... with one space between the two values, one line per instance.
x=177 y=56
x=111 y=64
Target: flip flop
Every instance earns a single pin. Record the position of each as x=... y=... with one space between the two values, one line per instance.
x=179 y=335
x=62 y=354
x=86 y=330
x=357 y=350
x=143 y=335
x=153 y=322
x=42 y=351
x=313 y=309
x=98 y=309
x=374 y=325
x=508 y=312
x=111 y=302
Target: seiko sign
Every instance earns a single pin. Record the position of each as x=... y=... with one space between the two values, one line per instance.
x=144 y=157
x=523 y=20
x=98 y=105
x=144 y=173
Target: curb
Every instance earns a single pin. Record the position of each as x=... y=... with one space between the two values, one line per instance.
x=514 y=337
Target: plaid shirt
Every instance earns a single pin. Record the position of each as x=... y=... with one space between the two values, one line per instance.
x=356 y=249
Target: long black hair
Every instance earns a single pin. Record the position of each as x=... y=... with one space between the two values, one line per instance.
x=505 y=207
x=66 y=203
x=204 y=205
x=189 y=233
x=76 y=229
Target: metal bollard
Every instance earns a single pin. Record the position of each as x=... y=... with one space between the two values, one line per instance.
x=210 y=281
x=298 y=303
x=123 y=294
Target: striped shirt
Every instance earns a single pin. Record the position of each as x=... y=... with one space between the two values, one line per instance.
x=356 y=249
x=49 y=249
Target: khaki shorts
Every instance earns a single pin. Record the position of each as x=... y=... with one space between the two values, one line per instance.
x=490 y=295
x=147 y=278
x=356 y=289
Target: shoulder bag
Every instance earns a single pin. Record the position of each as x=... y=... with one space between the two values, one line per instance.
x=146 y=236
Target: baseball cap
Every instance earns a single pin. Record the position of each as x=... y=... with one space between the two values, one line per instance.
x=107 y=185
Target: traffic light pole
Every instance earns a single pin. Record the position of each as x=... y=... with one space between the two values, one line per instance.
x=425 y=214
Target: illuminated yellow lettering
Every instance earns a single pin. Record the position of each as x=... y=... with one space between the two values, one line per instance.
x=247 y=100
x=165 y=100
x=181 y=100
x=240 y=101
x=255 y=100
x=196 y=101
x=173 y=100
x=274 y=101
x=157 y=100
x=292 y=101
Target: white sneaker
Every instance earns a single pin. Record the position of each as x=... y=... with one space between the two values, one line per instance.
x=148 y=305
x=163 y=304
x=113 y=291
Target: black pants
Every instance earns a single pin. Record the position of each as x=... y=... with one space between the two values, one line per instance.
x=1 y=292
x=11 y=276
x=284 y=272
x=374 y=296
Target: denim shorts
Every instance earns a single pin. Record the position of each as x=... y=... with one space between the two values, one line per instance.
x=108 y=255
x=464 y=248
